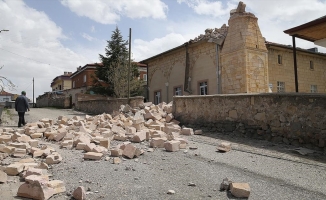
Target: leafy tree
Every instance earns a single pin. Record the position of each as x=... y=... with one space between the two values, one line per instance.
x=5 y=82
x=112 y=75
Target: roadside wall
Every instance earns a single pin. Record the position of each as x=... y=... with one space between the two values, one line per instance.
x=297 y=119
x=97 y=104
x=51 y=100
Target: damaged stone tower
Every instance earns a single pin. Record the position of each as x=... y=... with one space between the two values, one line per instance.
x=244 y=56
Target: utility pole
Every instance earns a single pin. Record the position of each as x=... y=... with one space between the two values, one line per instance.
x=33 y=94
x=129 y=65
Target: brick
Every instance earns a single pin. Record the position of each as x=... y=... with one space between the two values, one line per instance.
x=93 y=156
x=224 y=147
x=187 y=131
x=172 y=145
x=129 y=151
x=240 y=190
x=14 y=169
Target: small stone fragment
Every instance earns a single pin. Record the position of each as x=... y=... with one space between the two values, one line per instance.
x=224 y=147
x=225 y=185
x=240 y=190
x=171 y=192
x=79 y=193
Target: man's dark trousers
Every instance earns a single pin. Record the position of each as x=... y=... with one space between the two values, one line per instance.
x=21 y=119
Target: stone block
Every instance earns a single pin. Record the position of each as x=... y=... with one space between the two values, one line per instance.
x=89 y=147
x=42 y=165
x=33 y=143
x=139 y=136
x=35 y=188
x=80 y=146
x=198 y=132
x=38 y=153
x=129 y=151
x=58 y=186
x=27 y=160
x=93 y=156
x=240 y=190
x=116 y=160
x=182 y=146
x=79 y=193
x=116 y=152
x=6 y=149
x=14 y=169
x=105 y=142
x=68 y=144
x=224 y=147
x=23 y=138
x=59 y=136
x=99 y=149
x=33 y=171
x=131 y=130
x=187 y=131
x=169 y=117
x=157 y=142
x=81 y=138
x=172 y=145
x=19 y=152
x=36 y=135
x=3 y=177
x=54 y=158
x=5 y=138
x=20 y=145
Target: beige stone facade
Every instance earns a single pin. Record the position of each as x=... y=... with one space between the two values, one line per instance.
x=233 y=59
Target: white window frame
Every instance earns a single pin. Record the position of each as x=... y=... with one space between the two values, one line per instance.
x=157 y=97
x=203 y=88
x=313 y=89
x=280 y=86
x=85 y=78
x=178 y=91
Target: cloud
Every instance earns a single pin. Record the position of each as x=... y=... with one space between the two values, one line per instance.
x=92 y=29
x=87 y=37
x=32 y=48
x=110 y=11
x=145 y=49
x=211 y=8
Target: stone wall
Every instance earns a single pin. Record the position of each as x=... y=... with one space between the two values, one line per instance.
x=97 y=104
x=52 y=100
x=297 y=119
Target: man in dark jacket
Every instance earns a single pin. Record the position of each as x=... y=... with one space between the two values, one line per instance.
x=21 y=106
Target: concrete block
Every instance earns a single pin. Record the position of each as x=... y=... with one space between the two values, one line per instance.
x=105 y=142
x=5 y=138
x=89 y=147
x=54 y=158
x=224 y=147
x=139 y=136
x=36 y=135
x=81 y=146
x=187 y=131
x=198 y=132
x=116 y=152
x=157 y=142
x=33 y=143
x=14 y=169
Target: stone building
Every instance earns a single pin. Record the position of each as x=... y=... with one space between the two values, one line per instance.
x=233 y=59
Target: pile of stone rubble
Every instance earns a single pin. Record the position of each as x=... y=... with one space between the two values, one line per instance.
x=93 y=135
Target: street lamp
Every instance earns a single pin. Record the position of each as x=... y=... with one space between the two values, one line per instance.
x=3 y=30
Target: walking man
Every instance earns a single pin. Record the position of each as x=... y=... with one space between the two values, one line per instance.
x=21 y=106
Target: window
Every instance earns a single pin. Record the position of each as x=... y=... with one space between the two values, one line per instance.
x=177 y=91
x=60 y=87
x=73 y=84
x=313 y=88
x=280 y=86
x=85 y=78
x=5 y=99
x=279 y=59
x=145 y=77
x=311 y=65
x=203 y=88
x=157 y=97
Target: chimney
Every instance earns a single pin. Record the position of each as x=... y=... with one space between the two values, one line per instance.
x=65 y=73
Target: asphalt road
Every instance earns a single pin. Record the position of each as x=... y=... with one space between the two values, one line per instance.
x=272 y=171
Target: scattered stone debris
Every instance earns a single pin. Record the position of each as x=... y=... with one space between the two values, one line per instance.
x=154 y=124
x=191 y=184
x=224 y=147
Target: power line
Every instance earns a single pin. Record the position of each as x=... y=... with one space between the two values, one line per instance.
x=24 y=56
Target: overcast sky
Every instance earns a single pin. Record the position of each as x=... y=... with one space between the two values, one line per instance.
x=47 y=38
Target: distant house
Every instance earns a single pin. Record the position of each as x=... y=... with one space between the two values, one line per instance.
x=62 y=82
x=6 y=96
x=84 y=76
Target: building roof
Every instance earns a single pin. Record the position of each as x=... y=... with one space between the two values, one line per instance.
x=311 y=31
x=4 y=93
x=311 y=51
